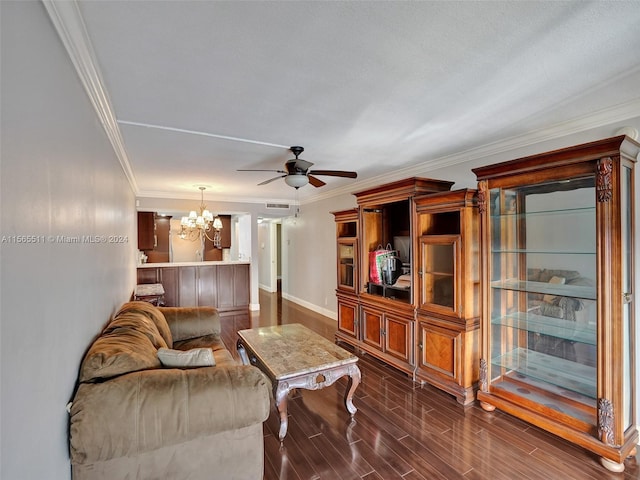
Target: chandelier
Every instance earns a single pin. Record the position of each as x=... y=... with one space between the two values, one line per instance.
x=200 y=225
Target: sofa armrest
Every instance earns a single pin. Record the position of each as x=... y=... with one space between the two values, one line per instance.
x=191 y=322
x=145 y=410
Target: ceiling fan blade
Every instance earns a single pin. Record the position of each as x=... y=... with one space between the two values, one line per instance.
x=272 y=180
x=258 y=170
x=316 y=182
x=335 y=173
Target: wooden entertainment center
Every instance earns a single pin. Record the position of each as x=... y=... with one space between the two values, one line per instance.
x=522 y=290
x=426 y=323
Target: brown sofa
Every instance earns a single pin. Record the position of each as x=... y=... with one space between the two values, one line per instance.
x=133 y=418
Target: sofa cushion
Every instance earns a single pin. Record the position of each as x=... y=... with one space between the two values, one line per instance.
x=196 y=357
x=147 y=410
x=154 y=314
x=221 y=355
x=192 y=322
x=137 y=321
x=121 y=351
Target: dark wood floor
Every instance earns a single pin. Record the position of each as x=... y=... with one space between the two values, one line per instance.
x=403 y=430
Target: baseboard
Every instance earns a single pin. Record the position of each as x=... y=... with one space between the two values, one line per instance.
x=267 y=288
x=322 y=311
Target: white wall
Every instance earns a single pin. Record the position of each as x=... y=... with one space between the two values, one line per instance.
x=243 y=229
x=309 y=255
x=59 y=177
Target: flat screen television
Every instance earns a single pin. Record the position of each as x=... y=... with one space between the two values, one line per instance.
x=403 y=245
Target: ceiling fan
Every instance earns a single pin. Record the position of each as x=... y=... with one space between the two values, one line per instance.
x=297 y=173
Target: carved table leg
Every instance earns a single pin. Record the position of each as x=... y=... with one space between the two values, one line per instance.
x=281 y=394
x=352 y=384
x=243 y=353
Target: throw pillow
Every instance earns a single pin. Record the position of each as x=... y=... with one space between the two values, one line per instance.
x=196 y=357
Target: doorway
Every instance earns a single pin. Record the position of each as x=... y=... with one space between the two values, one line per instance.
x=270 y=256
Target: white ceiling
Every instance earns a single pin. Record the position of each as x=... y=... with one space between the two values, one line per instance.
x=200 y=89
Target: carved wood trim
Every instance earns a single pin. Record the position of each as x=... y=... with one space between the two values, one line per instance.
x=605 y=421
x=483 y=375
x=603 y=179
x=482 y=196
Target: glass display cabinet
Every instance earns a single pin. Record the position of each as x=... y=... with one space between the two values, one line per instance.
x=558 y=319
x=448 y=286
x=347 y=272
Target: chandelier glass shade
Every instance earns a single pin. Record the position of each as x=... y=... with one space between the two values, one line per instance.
x=201 y=224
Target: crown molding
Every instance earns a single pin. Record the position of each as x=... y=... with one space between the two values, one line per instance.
x=220 y=198
x=68 y=22
x=600 y=118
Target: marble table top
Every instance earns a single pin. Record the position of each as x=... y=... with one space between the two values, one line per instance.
x=293 y=349
x=149 y=289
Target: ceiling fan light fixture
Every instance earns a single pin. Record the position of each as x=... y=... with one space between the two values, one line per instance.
x=296 y=181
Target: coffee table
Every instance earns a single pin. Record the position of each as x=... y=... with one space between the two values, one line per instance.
x=293 y=356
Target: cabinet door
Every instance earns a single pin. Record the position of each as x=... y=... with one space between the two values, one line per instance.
x=226 y=286
x=372 y=327
x=398 y=337
x=439 y=350
x=207 y=279
x=241 y=285
x=146 y=234
x=188 y=286
x=170 y=282
x=347 y=265
x=162 y=227
x=225 y=233
x=348 y=317
x=147 y=275
x=440 y=257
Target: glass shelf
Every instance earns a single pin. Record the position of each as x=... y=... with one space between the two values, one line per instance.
x=572 y=291
x=566 y=374
x=555 y=327
x=588 y=211
x=540 y=251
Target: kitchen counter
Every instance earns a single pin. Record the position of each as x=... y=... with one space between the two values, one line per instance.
x=193 y=264
x=220 y=284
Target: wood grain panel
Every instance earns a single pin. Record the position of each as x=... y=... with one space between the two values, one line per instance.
x=187 y=285
x=440 y=349
x=226 y=275
x=207 y=286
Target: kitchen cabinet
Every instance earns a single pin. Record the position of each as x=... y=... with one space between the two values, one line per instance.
x=146 y=231
x=221 y=285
